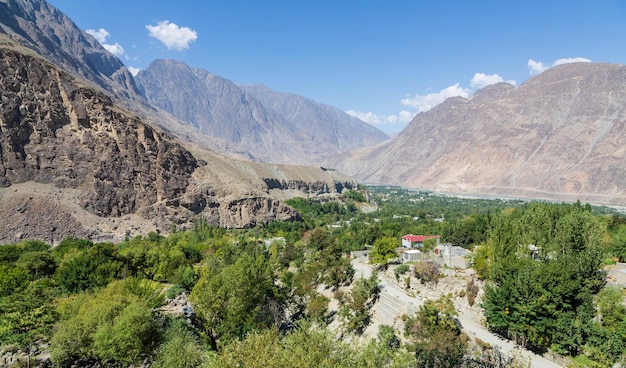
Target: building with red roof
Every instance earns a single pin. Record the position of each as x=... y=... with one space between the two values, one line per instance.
x=417 y=241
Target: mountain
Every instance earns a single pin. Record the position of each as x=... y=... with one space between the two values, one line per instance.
x=73 y=163
x=271 y=126
x=219 y=108
x=560 y=135
x=327 y=129
x=46 y=30
x=84 y=155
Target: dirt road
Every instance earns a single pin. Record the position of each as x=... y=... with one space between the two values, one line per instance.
x=468 y=318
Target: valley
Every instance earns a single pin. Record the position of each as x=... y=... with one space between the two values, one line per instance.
x=172 y=217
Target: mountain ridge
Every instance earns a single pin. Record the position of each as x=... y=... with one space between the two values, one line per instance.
x=251 y=120
x=556 y=135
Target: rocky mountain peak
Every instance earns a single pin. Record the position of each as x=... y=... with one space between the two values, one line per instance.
x=41 y=27
x=272 y=126
x=493 y=91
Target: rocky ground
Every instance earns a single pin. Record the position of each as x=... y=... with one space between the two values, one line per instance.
x=396 y=299
x=38 y=211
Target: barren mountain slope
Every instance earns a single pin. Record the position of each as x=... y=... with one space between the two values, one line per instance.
x=39 y=26
x=273 y=127
x=561 y=135
x=219 y=108
x=74 y=163
x=46 y=30
x=326 y=129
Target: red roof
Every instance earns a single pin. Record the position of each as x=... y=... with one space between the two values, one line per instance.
x=419 y=238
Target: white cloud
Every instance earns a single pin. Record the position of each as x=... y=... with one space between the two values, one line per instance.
x=368 y=117
x=115 y=49
x=481 y=80
x=537 y=67
x=133 y=70
x=405 y=116
x=400 y=118
x=426 y=102
x=172 y=36
x=571 y=60
x=100 y=35
x=387 y=123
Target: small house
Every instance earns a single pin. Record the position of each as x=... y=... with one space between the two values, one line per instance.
x=411 y=241
x=411 y=255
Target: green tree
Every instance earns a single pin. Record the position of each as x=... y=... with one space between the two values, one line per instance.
x=129 y=336
x=181 y=347
x=28 y=315
x=11 y=279
x=88 y=269
x=544 y=268
x=383 y=251
x=115 y=324
x=435 y=336
x=236 y=299
x=355 y=306
x=37 y=263
x=317 y=307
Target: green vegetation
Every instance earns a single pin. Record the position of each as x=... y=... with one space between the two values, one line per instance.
x=266 y=304
x=543 y=264
x=435 y=336
x=354 y=195
x=383 y=251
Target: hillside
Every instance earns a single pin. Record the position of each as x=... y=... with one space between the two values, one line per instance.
x=557 y=136
x=50 y=33
x=74 y=163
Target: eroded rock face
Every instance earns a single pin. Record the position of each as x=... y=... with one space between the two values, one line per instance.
x=41 y=27
x=54 y=131
x=309 y=187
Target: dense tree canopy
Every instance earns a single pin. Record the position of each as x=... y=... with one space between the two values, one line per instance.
x=544 y=267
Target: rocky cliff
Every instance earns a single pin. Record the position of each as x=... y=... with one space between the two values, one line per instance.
x=560 y=135
x=72 y=162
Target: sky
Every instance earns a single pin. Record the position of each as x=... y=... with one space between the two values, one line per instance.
x=380 y=60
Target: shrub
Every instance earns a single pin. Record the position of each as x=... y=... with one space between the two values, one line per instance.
x=472 y=291
x=180 y=349
x=174 y=291
x=427 y=271
x=401 y=270
x=318 y=307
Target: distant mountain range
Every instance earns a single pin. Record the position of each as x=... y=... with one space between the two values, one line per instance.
x=270 y=126
x=560 y=135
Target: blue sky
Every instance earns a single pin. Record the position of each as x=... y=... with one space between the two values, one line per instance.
x=383 y=60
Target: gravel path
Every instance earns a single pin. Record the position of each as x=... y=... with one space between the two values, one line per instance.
x=474 y=330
